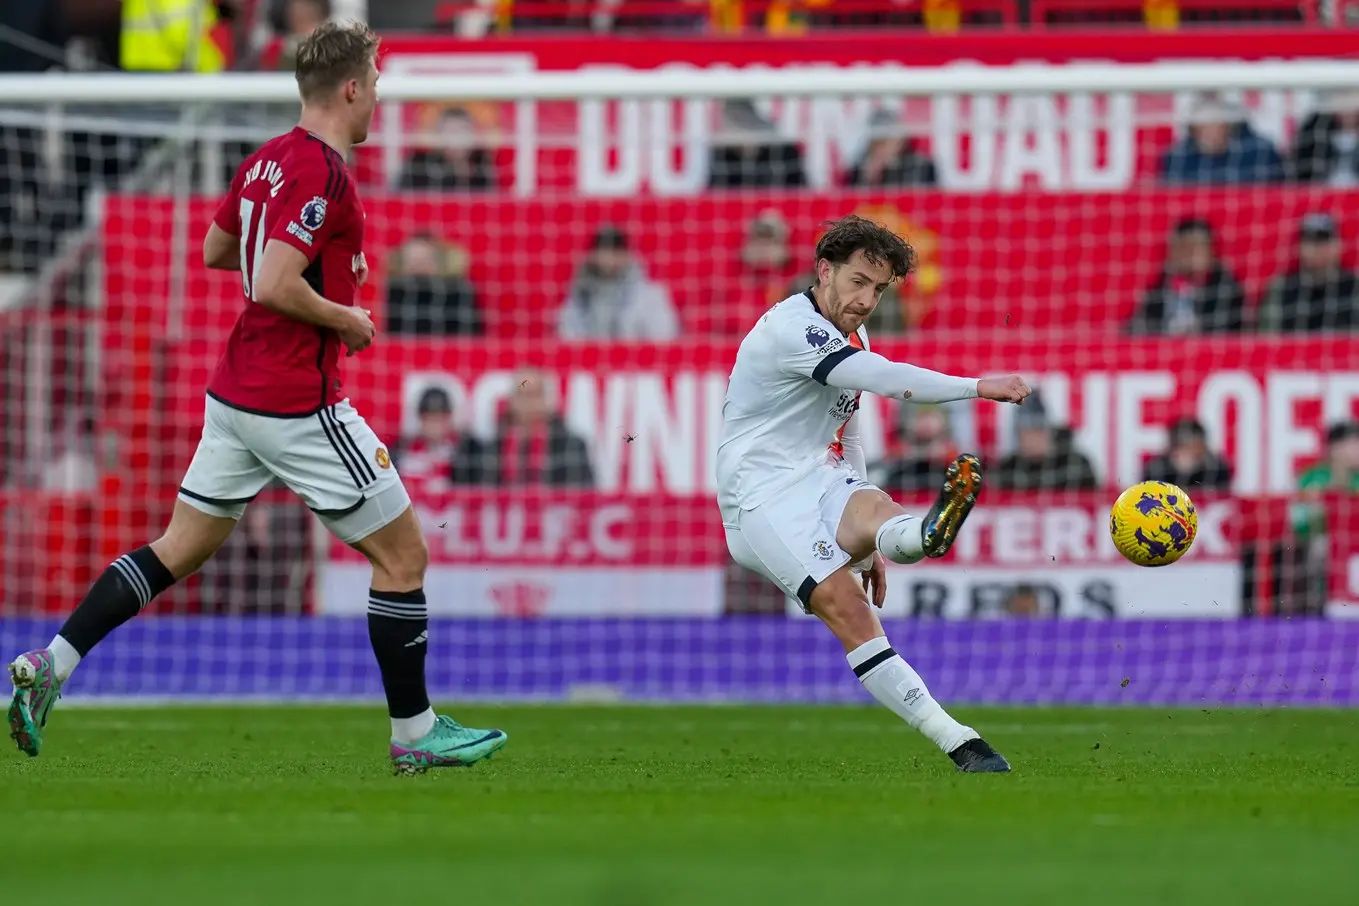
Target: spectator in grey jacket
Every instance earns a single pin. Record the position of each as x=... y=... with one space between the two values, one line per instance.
x=611 y=297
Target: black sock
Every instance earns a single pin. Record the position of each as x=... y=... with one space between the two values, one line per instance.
x=125 y=587
x=398 y=627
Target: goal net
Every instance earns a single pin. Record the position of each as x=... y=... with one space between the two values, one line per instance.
x=564 y=258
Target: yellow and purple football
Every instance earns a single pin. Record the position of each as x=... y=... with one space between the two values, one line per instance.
x=1153 y=523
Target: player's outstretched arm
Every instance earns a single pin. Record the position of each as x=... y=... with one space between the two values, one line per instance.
x=221 y=250
x=280 y=287
x=869 y=371
x=877 y=374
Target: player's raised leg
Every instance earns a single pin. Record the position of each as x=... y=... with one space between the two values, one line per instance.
x=121 y=592
x=871 y=524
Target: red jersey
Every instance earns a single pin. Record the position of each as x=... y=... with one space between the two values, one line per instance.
x=295 y=189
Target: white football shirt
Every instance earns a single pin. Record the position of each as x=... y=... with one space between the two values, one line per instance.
x=779 y=418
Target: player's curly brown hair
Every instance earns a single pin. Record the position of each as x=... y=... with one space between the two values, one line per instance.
x=332 y=55
x=880 y=245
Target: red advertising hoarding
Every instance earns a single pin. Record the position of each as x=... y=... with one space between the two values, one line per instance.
x=990 y=260
x=1088 y=139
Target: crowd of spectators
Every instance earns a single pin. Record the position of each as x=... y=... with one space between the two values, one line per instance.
x=612 y=296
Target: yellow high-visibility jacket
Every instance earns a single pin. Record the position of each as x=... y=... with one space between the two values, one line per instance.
x=169 y=36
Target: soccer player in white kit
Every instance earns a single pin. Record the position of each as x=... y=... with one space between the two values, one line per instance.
x=790 y=468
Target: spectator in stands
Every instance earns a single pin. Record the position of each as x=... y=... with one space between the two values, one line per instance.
x=1188 y=462
x=890 y=160
x=428 y=292
x=295 y=20
x=1195 y=293
x=1220 y=147
x=612 y=298
x=459 y=162
x=533 y=445
x=439 y=455
x=765 y=273
x=749 y=153
x=1326 y=145
x=1339 y=471
x=1317 y=293
x=1304 y=562
x=929 y=448
x=1045 y=457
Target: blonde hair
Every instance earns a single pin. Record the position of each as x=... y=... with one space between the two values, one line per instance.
x=332 y=55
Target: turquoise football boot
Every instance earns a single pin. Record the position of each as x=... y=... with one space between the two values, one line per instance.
x=36 y=690
x=448 y=745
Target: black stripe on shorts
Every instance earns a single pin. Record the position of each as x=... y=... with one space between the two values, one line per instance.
x=217 y=501
x=342 y=435
x=339 y=451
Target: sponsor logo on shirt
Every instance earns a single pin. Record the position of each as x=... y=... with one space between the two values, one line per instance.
x=830 y=347
x=844 y=406
x=295 y=230
x=313 y=213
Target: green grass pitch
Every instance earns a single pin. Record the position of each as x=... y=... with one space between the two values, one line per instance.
x=625 y=806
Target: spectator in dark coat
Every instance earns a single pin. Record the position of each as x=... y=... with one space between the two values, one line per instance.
x=1326 y=145
x=1188 y=462
x=1221 y=147
x=1317 y=293
x=890 y=160
x=1196 y=293
x=428 y=293
x=459 y=161
x=749 y=153
x=1045 y=457
x=534 y=447
x=930 y=447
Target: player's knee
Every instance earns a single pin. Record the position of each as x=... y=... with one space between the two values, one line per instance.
x=180 y=555
x=402 y=565
x=842 y=604
x=190 y=540
x=865 y=512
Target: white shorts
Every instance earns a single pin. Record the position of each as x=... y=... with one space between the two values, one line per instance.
x=331 y=459
x=790 y=539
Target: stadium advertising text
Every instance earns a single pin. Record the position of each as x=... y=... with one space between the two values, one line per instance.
x=1077 y=141
x=651 y=429
x=579 y=553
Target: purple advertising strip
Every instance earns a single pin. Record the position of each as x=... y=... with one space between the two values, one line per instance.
x=737 y=659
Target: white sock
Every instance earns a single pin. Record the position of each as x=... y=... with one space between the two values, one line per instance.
x=892 y=682
x=64 y=657
x=900 y=540
x=410 y=729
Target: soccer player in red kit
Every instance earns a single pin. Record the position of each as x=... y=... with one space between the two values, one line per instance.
x=292 y=226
